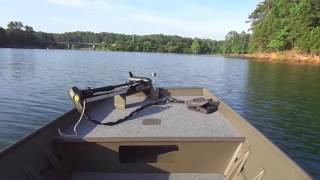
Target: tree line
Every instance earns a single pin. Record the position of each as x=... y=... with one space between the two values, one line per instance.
x=276 y=25
x=23 y=36
x=18 y=35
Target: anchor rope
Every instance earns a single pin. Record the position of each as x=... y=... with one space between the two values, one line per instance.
x=75 y=133
x=165 y=100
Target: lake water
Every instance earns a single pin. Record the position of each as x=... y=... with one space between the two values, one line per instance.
x=281 y=100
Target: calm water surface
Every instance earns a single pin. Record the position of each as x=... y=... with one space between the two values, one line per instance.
x=281 y=100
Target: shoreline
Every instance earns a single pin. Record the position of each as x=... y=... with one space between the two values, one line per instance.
x=291 y=57
x=99 y=50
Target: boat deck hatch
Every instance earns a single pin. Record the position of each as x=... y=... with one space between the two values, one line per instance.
x=151 y=121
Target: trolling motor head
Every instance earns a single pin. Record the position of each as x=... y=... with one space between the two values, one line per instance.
x=134 y=85
x=76 y=97
x=134 y=79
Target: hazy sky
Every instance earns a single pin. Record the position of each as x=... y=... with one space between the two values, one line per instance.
x=190 y=18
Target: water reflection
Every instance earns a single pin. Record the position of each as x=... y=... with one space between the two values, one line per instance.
x=284 y=104
x=21 y=64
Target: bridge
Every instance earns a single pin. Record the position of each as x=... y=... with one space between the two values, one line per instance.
x=71 y=45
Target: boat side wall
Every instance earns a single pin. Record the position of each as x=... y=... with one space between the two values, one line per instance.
x=263 y=157
x=35 y=156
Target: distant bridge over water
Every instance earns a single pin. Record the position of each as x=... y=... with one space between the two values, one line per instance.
x=71 y=45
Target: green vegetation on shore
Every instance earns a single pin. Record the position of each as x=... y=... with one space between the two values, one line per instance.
x=20 y=36
x=276 y=26
x=280 y=25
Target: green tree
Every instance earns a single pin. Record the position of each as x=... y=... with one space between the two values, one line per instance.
x=15 y=26
x=28 y=28
x=244 y=41
x=3 y=37
x=280 y=41
x=310 y=41
x=195 y=47
x=236 y=43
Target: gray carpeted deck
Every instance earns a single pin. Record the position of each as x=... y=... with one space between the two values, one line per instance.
x=176 y=123
x=147 y=176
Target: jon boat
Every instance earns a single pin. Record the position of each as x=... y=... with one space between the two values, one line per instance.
x=136 y=131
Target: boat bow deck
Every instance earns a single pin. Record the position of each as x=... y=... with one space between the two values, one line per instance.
x=169 y=122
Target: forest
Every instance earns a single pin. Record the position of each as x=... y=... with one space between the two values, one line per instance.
x=276 y=25
x=18 y=35
x=279 y=25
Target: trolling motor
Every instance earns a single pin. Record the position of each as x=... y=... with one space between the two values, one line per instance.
x=133 y=85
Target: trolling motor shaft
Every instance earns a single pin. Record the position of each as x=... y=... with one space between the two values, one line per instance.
x=133 y=85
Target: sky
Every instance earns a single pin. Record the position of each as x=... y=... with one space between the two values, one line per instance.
x=188 y=18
